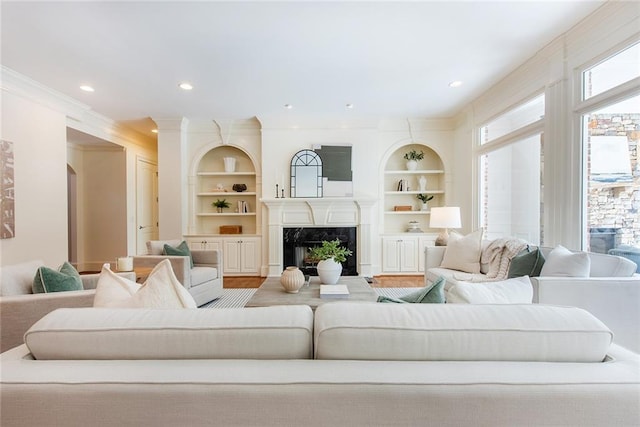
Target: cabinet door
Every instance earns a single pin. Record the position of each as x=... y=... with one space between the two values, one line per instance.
x=391 y=254
x=409 y=255
x=202 y=244
x=250 y=254
x=232 y=256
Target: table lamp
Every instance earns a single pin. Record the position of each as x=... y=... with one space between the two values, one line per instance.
x=444 y=217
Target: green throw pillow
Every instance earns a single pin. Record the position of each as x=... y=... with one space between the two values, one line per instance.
x=49 y=280
x=432 y=294
x=182 y=250
x=526 y=263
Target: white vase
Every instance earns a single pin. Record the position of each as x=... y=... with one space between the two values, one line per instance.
x=329 y=271
x=229 y=164
x=292 y=279
x=412 y=165
x=423 y=183
x=424 y=207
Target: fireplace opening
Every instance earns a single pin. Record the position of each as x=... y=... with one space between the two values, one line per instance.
x=296 y=243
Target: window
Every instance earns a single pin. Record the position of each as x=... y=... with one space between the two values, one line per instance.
x=511 y=191
x=612 y=72
x=611 y=139
x=514 y=119
x=511 y=170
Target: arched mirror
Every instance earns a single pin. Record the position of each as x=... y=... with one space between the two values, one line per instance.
x=306 y=174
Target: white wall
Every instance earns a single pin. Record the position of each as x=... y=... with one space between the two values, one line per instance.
x=40 y=154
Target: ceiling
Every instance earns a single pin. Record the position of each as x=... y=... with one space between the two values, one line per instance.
x=249 y=59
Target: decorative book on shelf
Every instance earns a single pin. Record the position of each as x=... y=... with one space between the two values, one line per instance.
x=402 y=208
x=334 y=291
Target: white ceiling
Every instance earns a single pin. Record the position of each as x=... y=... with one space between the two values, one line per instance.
x=246 y=59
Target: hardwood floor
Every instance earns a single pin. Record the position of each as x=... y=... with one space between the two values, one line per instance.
x=378 y=282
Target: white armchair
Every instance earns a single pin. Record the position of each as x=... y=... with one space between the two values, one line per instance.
x=203 y=281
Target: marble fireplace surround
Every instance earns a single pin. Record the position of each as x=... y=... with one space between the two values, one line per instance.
x=321 y=212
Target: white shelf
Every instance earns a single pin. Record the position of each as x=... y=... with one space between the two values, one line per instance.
x=414 y=192
x=407 y=212
x=226 y=173
x=228 y=193
x=415 y=172
x=226 y=214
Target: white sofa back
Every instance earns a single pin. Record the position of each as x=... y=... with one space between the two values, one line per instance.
x=279 y=332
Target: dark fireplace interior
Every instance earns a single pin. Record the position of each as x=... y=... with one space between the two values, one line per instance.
x=296 y=243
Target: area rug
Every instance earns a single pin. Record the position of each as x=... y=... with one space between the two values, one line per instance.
x=232 y=298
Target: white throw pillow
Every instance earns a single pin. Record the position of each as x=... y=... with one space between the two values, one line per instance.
x=463 y=252
x=161 y=290
x=511 y=291
x=561 y=262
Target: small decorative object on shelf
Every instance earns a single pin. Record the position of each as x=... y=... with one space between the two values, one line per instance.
x=329 y=257
x=422 y=182
x=229 y=164
x=414 y=227
x=292 y=280
x=412 y=158
x=402 y=208
x=239 y=187
x=220 y=187
x=221 y=204
x=424 y=198
x=277 y=192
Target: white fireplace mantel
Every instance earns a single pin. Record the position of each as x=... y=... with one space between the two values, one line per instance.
x=320 y=212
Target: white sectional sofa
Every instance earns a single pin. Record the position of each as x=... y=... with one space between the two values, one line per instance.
x=611 y=292
x=356 y=364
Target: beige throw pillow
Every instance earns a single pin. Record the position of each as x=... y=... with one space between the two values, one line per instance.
x=463 y=252
x=161 y=290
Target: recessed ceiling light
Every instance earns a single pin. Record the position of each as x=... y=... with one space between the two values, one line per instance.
x=455 y=83
x=87 y=88
x=185 y=86
x=288 y=106
x=349 y=106
x=154 y=130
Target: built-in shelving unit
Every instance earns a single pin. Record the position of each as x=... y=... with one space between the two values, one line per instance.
x=431 y=168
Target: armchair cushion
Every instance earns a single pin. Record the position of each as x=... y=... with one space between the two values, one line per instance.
x=463 y=252
x=182 y=250
x=161 y=290
x=155 y=247
x=526 y=263
x=66 y=278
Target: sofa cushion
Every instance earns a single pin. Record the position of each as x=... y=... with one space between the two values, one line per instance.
x=66 y=278
x=161 y=290
x=200 y=275
x=155 y=247
x=452 y=332
x=430 y=294
x=278 y=332
x=180 y=250
x=561 y=262
x=511 y=291
x=526 y=263
x=17 y=279
x=463 y=252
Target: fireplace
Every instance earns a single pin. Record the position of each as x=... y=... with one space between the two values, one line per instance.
x=297 y=241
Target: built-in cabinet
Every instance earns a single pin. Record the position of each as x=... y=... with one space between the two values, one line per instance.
x=241 y=255
x=216 y=179
x=402 y=251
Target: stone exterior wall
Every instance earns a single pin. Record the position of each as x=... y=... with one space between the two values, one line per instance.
x=617 y=205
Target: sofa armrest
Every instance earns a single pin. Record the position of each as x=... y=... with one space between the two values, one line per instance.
x=90 y=281
x=433 y=256
x=207 y=258
x=19 y=312
x=181 y=265
x=613 y=300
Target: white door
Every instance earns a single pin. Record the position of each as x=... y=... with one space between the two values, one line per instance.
x=232 y=256
x=390 y=254
x=409 y=255
x=250 y=255
x=147 y=204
